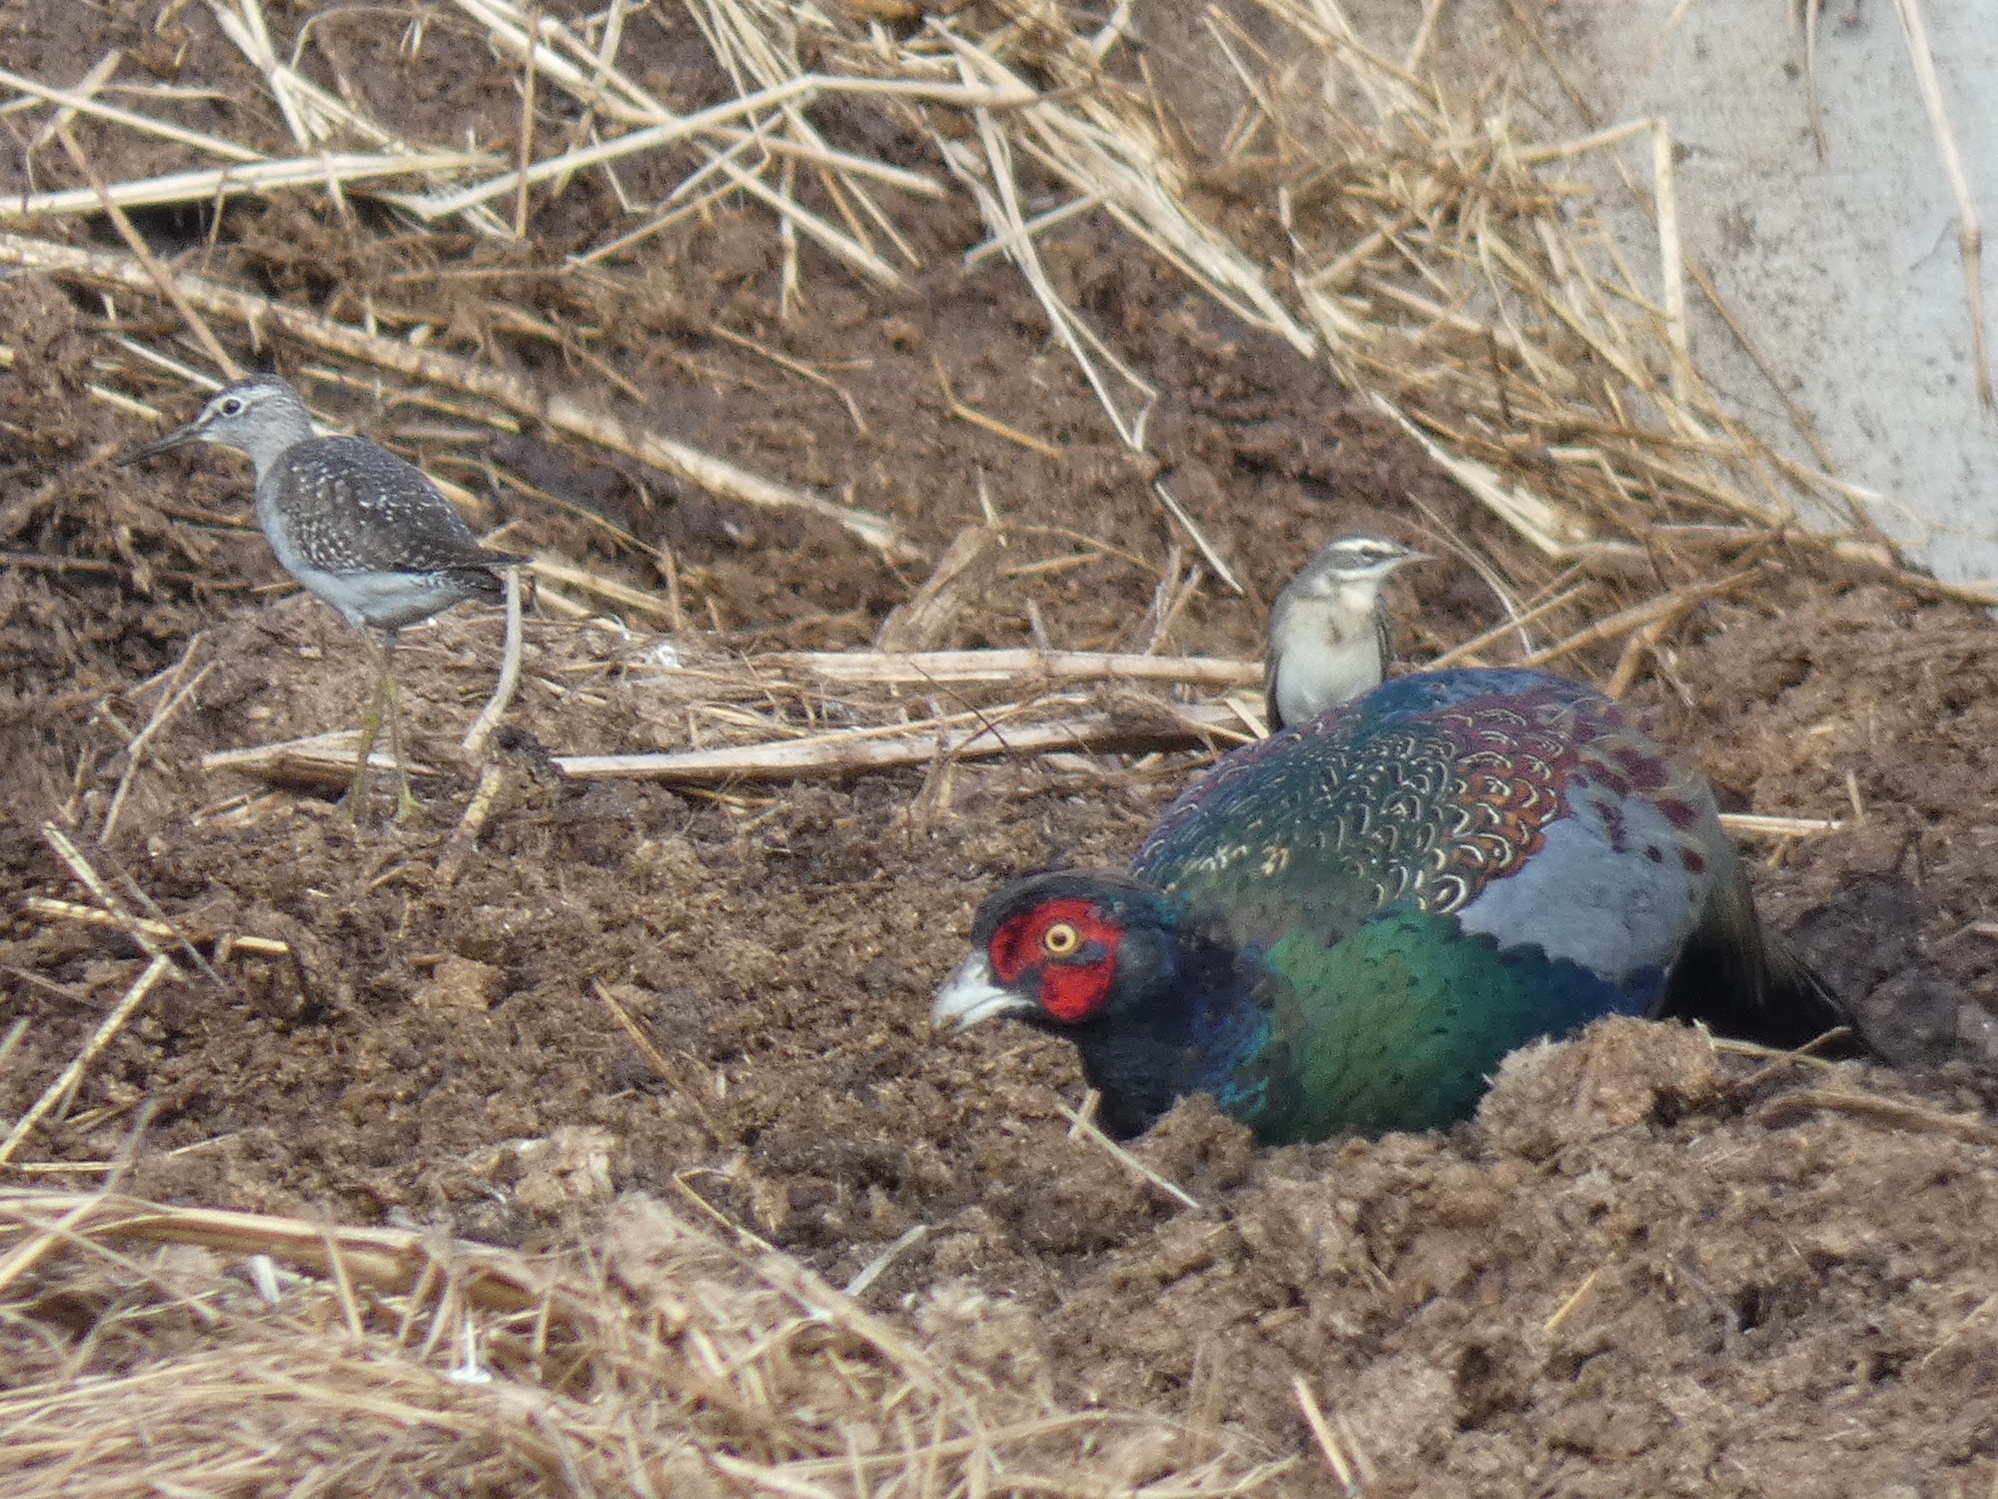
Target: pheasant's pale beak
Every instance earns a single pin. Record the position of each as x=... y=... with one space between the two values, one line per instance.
x=970 y=995
x=179 y=437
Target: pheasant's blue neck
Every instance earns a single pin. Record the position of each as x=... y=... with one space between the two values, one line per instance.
x=1188 y=1021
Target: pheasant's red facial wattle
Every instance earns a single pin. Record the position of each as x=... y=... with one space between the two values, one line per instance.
x=1070 y=949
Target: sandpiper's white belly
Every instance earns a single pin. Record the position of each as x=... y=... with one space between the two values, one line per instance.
x=386 y=600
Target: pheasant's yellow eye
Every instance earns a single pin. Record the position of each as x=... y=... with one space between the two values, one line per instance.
x=1061 y=939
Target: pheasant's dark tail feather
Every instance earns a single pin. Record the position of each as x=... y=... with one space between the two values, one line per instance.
x=1803 y=1007
x=1745 y=982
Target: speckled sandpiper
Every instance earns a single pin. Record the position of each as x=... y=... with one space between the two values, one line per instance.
x=355 y=524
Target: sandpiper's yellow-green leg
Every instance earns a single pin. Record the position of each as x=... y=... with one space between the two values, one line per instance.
x=385 y=705
x=371 y=730
x=406 y=804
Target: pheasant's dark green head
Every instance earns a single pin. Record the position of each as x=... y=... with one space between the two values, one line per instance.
x=1061 y=950
x=1156 y=1009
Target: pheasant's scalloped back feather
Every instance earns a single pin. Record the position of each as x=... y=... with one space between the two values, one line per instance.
x=1459 y=793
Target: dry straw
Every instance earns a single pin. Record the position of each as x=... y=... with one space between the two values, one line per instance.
x=239 y=1353
x=1411 y=237
x=1407 y=235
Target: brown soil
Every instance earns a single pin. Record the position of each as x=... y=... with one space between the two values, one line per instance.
x=1638 y=1272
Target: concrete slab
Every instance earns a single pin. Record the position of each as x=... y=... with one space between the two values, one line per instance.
x=1844 y=270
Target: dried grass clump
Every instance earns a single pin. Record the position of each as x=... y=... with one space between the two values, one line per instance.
x=1411 y=235
x=713 y=718
x=1357 y=208
x=177 y=1351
